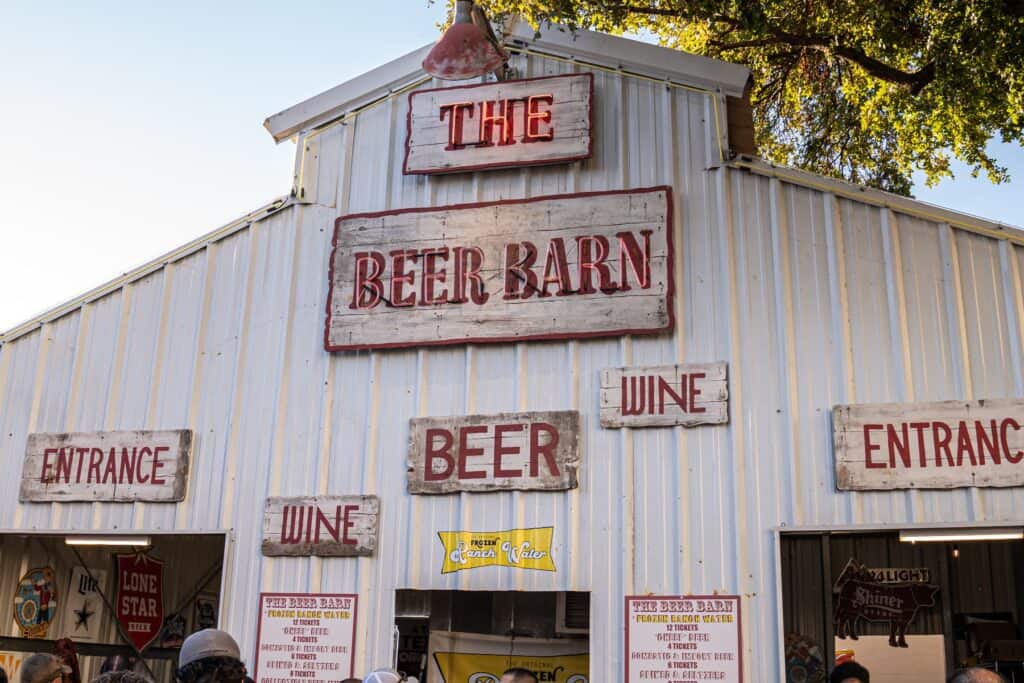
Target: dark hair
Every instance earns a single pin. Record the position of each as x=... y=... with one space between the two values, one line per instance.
x=3 y=675
x=975 y=674
x=849 y=670
x=519 y=674
x=226 y=666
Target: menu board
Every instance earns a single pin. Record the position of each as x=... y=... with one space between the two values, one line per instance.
x=305 y=636
x=675 y=638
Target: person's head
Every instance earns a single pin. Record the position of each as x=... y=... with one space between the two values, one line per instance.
x=122 y=677
x=976 y=675
x=850 y=672
x=43 y=668
x=518 y=675
x=384 y=676
x=210 y=656
x=3 y=675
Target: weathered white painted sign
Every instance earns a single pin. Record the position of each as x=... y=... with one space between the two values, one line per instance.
x=583 y=265
x=683 y=638
x=943 y=445
x=305 y=637
x=522 y=451
x=665 y=395
x=498 y=125
x=107 y=466
x=325 y=526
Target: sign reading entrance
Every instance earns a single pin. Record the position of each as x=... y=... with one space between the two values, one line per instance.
x=686 y=395
x=498 y=125
x=524 y=451
x=943 y=445
x=683 y=638
x=584 y=265
x=305 y=637
x=107 y=466
x=325 y=526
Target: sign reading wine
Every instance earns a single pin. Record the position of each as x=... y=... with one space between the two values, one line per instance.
x=582 y=265
x=498 y=125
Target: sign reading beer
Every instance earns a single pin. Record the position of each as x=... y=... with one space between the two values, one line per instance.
x=686 y=395
x=583 y=265
x=943 y=445
x=305 y=637
x=524 y=451
x=107 y=466
x=515 y=548
x=497 y=125
x=683 y=638
x=325 y=526
x=140 y=597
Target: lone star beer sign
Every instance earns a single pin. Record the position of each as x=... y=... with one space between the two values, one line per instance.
x=583 y=265
x=498 y=125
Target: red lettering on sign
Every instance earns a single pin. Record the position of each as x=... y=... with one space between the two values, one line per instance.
x=590 y=263
x=519 y=271
x=638 y=259
x=345 y=538
x=465 y=451
x=500 y=451
x=547 y=450
x=489 y=121
x=468 y=261
x=535 y=116
x=157 y=465
x=45 y=477
x=432 y=275
x=442 y=453
x=869 y=447
x=987 y=444
x=400 y=278
x=458 y=111
x=941 y=435
x=367 y=291
x=695 y=392
x=556 y=269
x=1014 y=457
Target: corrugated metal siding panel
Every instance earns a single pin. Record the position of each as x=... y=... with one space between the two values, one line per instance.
x=812 y=300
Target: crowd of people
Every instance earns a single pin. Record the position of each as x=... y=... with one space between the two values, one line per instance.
x=213 y=656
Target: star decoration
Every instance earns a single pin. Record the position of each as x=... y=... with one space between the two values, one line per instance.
x=83 y=616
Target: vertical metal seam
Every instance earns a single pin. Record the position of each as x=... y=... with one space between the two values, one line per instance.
x=1013 y=302
x=42 y=362
x=71 y=403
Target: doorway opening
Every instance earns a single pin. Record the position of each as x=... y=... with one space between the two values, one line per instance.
x=446 y=635
x=125 y=601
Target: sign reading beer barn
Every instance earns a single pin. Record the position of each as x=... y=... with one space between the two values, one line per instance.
x=325 y=526
x=525 y=451
x=686 y=395
x=943 y=445
x=497 y=125
x=583 y=265
x=107 y=466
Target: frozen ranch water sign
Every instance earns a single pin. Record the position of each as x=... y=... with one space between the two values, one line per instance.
x=580 y=265
x=942 y=445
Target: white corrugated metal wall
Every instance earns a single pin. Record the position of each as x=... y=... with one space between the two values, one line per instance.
x=812 y=299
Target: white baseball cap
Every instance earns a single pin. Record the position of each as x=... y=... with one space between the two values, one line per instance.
x=209 y=642
x=384 y=676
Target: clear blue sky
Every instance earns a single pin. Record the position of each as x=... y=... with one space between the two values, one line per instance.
x=127 y=129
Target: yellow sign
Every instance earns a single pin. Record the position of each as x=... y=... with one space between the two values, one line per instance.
x=517 y=548
x=466 y=667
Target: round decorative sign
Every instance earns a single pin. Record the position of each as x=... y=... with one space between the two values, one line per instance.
x=35 y=602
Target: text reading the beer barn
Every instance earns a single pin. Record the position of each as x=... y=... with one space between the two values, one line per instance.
x=499 y=125
x=948 y=444
x=524 y=451
x=582 y=265
x=106 y=466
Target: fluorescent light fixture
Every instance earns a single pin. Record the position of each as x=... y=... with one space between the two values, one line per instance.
x=953 y=535
x=134 y=541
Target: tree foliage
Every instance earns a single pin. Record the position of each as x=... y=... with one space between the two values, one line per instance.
x=869 y=91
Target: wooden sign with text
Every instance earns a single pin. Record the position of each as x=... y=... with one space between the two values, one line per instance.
x=665 y=395
x=943 y=445
x=107 y=466
x=324 y=526
x=521 y=451
x=498 y=125
x=582 y=265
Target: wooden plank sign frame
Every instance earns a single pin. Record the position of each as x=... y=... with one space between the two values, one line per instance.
x=665 y=395
x=322 y=526
x=537 y=451
x=556 y=267
x=525 y=122
x=120 y=467
x=941 y=445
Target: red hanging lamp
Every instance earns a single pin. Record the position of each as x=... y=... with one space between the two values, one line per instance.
x=465 y=50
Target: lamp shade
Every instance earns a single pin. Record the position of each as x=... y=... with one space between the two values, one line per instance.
x=464 y=50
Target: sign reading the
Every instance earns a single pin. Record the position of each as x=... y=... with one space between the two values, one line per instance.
x=498 y=125
x=523 y=451
x=943 y=445
x=107 y=466
x=683 y=638
x=35 y=602
x=859 y=595
x=325 y=526
x=686 y=395
x=305 y=637
x=583 y=265
x=515 y=548
x=140 y=597
x=83 y=608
